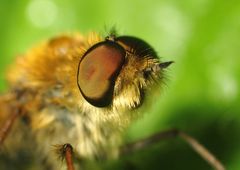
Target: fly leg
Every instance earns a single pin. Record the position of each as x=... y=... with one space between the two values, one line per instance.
x=6 y=127
x=66 y=152
x=173 y=133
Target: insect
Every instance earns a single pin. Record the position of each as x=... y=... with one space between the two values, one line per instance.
x=76 y=95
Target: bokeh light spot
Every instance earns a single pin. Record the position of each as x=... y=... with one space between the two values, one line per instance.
x=42 y=13
x=229 y=87
x=224 y=85
x=174 y=27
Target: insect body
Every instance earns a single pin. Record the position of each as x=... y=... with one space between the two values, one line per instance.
x=79 y=90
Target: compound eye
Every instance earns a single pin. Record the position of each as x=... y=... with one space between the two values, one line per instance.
x=136 y=46
x=98 y=70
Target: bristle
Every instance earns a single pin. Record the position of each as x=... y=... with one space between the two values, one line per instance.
x=61 y=150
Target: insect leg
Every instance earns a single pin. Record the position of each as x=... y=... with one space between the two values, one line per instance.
x=66 y=152
x=6 y=127
x=199 y=148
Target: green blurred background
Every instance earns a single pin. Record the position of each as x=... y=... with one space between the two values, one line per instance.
x=202 y=95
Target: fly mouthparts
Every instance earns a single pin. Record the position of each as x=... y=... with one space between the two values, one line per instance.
x=165 y=64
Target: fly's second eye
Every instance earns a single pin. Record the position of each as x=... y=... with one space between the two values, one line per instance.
x=136 y=46
x=98 y=70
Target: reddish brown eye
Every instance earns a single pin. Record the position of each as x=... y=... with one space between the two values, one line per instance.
x=98 y=70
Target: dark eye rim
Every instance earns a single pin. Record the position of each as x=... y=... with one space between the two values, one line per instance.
x=106 y=42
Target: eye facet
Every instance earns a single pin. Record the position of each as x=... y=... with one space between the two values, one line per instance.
x=98 y=70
